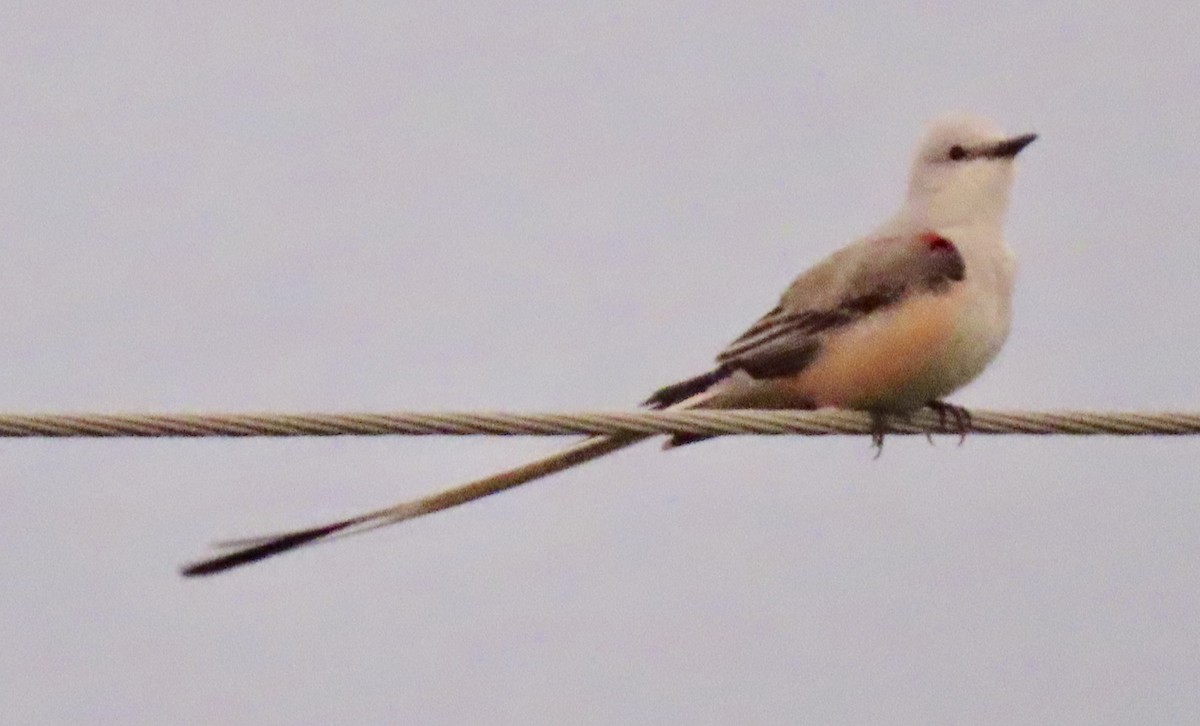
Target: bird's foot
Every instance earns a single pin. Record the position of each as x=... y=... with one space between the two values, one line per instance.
x=879 y=427
x=961 y=419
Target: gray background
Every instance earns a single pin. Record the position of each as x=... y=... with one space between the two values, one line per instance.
x=459 y=205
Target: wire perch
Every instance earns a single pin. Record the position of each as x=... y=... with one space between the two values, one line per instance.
x=704 y=423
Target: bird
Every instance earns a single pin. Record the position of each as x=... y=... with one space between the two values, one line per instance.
x=889 y=324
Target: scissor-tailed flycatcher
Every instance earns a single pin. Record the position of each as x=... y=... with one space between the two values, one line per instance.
x=888 y=325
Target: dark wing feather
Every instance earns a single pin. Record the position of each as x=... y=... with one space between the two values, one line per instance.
x=783 y=344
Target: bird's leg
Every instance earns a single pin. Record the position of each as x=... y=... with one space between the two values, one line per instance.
x=960 y=415
x=879 y=427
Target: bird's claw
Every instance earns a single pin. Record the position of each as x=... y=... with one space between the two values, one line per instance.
x=961 y=419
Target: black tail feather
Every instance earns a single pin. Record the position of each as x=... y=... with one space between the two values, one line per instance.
x=254 y=553
x=676 y=392
x=678 y=440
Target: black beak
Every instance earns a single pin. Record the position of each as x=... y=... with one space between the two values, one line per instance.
x=1009 y=148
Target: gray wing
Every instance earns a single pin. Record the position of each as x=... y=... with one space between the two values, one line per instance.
x=847 y=286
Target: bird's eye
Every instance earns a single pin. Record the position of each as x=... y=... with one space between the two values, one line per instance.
x=957 y=153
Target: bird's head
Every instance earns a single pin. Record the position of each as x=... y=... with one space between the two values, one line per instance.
x=963 y=170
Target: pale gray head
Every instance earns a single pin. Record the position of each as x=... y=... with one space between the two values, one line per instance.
x=963 y=170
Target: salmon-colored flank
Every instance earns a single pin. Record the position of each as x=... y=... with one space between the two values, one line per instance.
x=864 y=365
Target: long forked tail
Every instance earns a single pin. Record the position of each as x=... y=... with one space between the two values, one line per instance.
x=258 y=548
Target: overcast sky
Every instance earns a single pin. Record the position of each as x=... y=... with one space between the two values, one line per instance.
x=563 y=206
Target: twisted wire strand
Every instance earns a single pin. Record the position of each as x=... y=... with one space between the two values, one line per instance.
x=707 y=423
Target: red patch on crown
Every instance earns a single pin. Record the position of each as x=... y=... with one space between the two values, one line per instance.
x=936 y=242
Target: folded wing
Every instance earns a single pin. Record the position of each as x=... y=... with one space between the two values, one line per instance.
x=846 y=287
